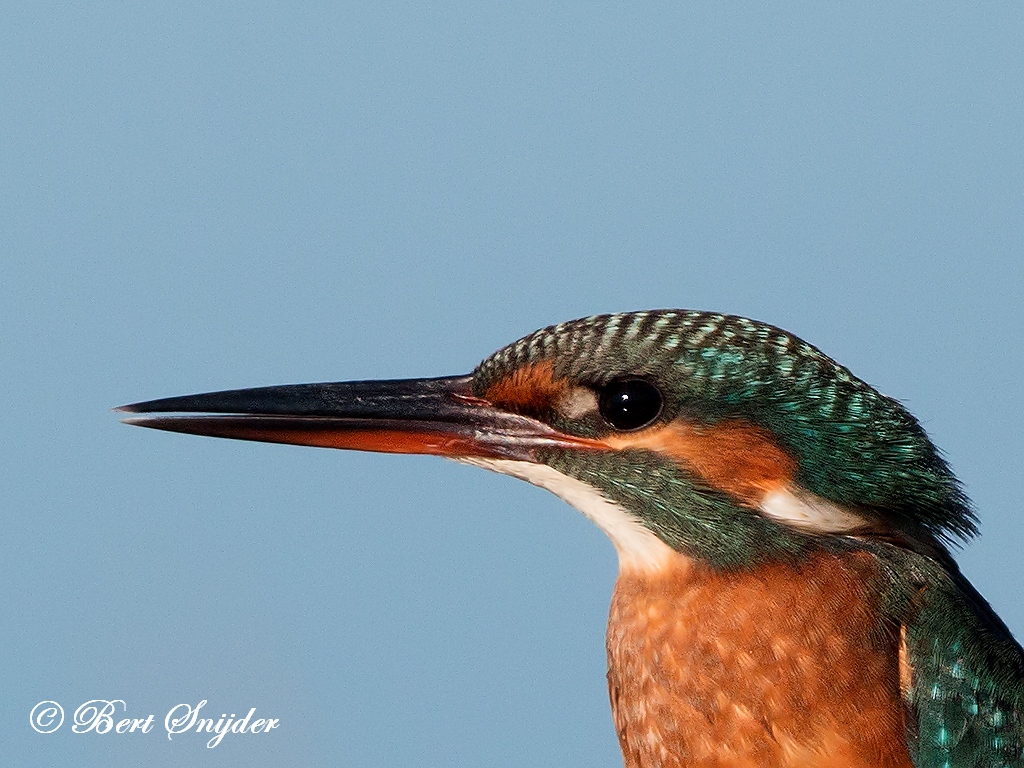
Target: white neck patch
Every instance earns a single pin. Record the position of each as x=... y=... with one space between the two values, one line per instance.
x=638 y=547
x=806 y=512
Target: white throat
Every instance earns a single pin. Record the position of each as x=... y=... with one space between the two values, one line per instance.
x=638 y=547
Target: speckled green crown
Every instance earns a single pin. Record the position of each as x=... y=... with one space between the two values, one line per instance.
x=854 y=445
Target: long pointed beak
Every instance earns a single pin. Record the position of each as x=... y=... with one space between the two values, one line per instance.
x=439 y=416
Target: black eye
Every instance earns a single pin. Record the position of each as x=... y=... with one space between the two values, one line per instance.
x=630 y=403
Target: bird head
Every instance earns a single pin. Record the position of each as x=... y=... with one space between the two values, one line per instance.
x=722 y=438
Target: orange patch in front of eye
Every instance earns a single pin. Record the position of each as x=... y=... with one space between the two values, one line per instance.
x=734 y=456
x=528 y=388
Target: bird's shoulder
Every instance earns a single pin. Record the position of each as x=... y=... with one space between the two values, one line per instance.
x=965 y=678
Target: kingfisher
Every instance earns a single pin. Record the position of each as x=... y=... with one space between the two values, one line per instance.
x=786 y=594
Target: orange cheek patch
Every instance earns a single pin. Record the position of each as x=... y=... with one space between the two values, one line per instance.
x=734 y=456
x=531 y=387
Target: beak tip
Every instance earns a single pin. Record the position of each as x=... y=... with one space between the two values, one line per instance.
x=137 y=421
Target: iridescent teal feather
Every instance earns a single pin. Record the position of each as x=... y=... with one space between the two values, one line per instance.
x=967 y=695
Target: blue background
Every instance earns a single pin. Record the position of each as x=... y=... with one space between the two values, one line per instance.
x=197 y=198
